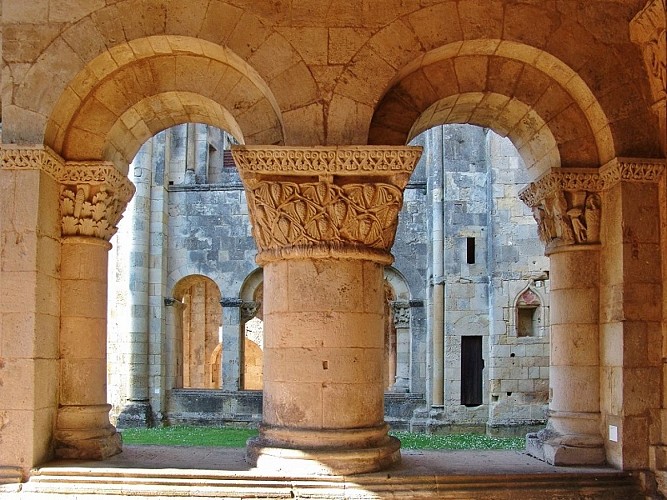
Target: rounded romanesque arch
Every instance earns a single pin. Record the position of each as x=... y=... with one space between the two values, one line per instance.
x=103 y=40
x=109 y=109
x=490 y=58
x=519 y=91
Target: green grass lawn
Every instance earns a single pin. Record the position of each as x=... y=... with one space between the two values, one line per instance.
x=228 y=437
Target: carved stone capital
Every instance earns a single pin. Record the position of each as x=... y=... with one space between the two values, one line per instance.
x=93 y=195
x=327 y=201
x=648 y=31
x=92 y=199
x=400 y=313
x=248 y=310
x=567 y=202
x=566 y=205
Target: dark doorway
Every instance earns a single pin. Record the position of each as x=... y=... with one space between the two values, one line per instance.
x=472 y=365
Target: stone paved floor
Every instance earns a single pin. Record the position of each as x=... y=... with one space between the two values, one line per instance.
x=414 y=462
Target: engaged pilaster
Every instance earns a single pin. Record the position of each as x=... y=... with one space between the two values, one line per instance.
x=92 y=198
x=324 y=220
x=567 y=207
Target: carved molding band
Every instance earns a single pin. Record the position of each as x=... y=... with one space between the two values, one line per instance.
x=569 y=179
x=567 y=204
x=42 y=158
x=323 y=216
x=92 y=199
x=332 y=160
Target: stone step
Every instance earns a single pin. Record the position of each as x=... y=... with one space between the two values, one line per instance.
x=97 y=484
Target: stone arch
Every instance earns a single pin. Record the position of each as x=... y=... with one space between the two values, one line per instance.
x=96 y=31
x=521 y=92
x=415 y=39
x=133 y=90
x=110 y=108
x=200 y=334
x=251 y=334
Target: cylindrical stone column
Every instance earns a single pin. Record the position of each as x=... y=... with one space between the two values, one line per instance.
x=174 y=342
x=136 y=411
x=567 y=206
x=401 y=317
x=324 y=220
x=231 y=338
x=92 y=199
x=573 y=431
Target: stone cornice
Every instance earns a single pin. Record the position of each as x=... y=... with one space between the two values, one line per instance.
x=327 y=160
x=15 y=157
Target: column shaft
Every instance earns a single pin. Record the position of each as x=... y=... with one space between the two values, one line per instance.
x=136 y=411
x=83 y=429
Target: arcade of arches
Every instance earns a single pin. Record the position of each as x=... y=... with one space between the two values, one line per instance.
x=322 y=98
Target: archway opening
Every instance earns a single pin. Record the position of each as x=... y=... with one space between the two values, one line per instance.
x=483 y=251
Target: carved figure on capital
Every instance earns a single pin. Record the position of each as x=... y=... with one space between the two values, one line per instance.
x=248 y=310
x=568 y=217
x=401 y=314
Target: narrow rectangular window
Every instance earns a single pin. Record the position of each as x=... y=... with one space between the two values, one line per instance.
x=472 y=365
x=470 y=250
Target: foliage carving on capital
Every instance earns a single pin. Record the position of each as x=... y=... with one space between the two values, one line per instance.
x=301 y=215
x=92 y=200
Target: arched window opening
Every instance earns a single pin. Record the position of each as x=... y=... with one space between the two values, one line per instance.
x=528 y=314
x=201 y=332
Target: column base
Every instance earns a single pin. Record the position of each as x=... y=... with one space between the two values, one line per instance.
x=135 y=414
x=84 y=432
x=570 y=449
x=323 y=452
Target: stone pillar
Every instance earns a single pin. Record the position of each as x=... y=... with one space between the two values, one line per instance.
x=174 y=342
x=30 y=306
x=401 y=317
x=567 y=207
x=136 y=411
x=232 y=322
x=324 y=220
x=92 y=198
x=632 y=312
